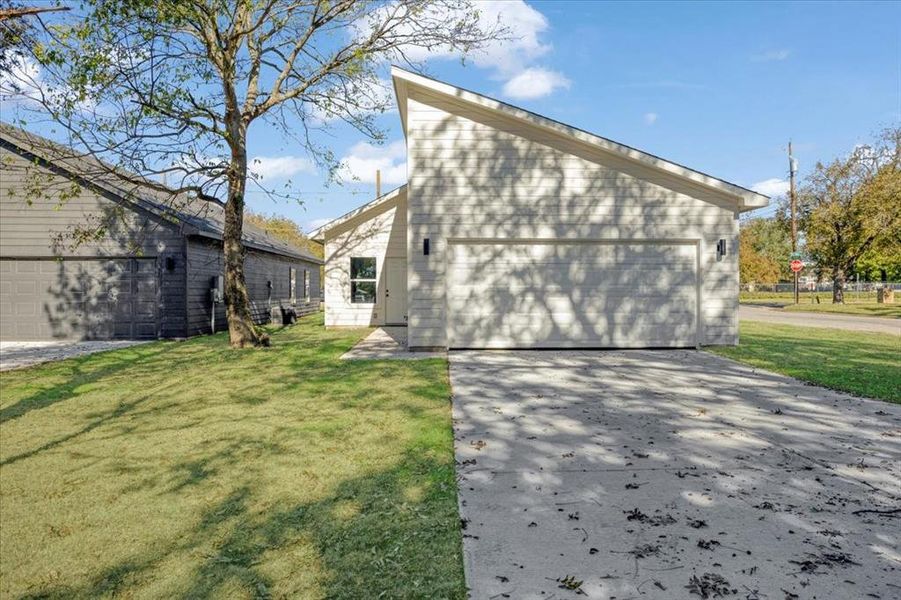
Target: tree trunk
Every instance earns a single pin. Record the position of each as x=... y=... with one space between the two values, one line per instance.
x=838 y=285
x=242 y=331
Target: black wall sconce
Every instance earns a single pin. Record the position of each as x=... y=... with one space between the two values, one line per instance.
x=721 y=249
x=170 y=263
x=425 y=247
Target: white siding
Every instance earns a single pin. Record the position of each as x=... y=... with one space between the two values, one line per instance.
x=566 y=294
x=380 y=232
x=475 y=174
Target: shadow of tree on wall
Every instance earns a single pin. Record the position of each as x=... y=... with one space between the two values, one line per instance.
x=370 y=237
x=92 y=273
x=115 y=298
x=477 y=178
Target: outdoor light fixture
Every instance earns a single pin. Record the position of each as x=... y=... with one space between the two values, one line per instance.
x=170 y=263
x=721 y=248
x=425 y=247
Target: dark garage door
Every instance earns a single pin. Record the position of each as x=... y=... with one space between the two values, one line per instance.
x=95 y=299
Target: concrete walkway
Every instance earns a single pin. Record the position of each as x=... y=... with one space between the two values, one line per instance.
x=15 y=355
x=811 y=319
x=386 y=343
x=670 y=474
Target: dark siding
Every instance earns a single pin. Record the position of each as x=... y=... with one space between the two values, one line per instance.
x=80 y=298
x=29 y=246
x=205 y=262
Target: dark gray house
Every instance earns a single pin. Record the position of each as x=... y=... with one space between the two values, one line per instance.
x=151 y=274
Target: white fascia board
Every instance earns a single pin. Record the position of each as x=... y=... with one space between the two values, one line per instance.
x=746 y=199
x=318 y=235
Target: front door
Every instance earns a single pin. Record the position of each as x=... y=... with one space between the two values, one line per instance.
x=396 y=291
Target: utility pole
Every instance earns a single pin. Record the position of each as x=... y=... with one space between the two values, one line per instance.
x=792 y=167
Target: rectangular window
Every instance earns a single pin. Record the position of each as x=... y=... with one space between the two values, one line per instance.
x=362 y=280
x=292 y=283
x=306 y=285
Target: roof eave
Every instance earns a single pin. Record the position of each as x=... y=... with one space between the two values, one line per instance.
x=745 y=198
x=318 y=235
x=212 y=235
x=752 y=201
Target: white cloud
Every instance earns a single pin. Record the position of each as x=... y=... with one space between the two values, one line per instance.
x=317 y=223
x=535 y=82
x=523 y=23
x=364 y=159
x=22 y=82
x=526 y=25
x=650 y=118
x=271 y=168
x=771 y=55
x=507 y=59
x=771 y=187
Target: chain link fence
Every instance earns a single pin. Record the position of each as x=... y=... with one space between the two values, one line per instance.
x=855 y=291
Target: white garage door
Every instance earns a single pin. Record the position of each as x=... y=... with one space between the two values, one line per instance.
x=572 y=295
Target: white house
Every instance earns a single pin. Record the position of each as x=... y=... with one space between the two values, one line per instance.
x=516 y=231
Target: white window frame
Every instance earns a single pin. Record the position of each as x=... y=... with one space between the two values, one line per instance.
x=354 y=280
x=292 y=284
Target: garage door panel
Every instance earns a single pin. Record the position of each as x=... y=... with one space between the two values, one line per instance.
x=566 y=294
x=653 y=276
x=644 y=284
x=80 y=299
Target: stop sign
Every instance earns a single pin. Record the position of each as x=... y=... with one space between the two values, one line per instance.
x=796 y=266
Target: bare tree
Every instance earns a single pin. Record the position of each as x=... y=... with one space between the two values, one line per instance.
x=170 y=90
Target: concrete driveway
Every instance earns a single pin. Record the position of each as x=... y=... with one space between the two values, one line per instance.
x=15 y=355
x=671 y=474
x=770 y=314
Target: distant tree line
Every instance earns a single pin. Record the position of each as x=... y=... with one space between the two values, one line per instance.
x=849 y=222
x=285 y=229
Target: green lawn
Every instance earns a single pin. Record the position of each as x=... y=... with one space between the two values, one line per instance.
x=750 y=297
x=186 y=469
x=855 y=304
x=868 y=310
x=864 y=364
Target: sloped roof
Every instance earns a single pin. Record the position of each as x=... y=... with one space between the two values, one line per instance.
x=319 y=233
x=404 y=80
x=202 y=218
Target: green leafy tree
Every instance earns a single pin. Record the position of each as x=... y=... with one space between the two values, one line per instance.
x=173 y=89
x=764 y=250
x=18 y=23
x=754 y=266
x=284 y=229
x=852 y=206
x=885 y=257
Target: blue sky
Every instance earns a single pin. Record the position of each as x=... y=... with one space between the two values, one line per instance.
x=720 y=87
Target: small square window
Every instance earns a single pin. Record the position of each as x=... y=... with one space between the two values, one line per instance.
x=362 y=292
x=362 y=280
x=362 y=268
